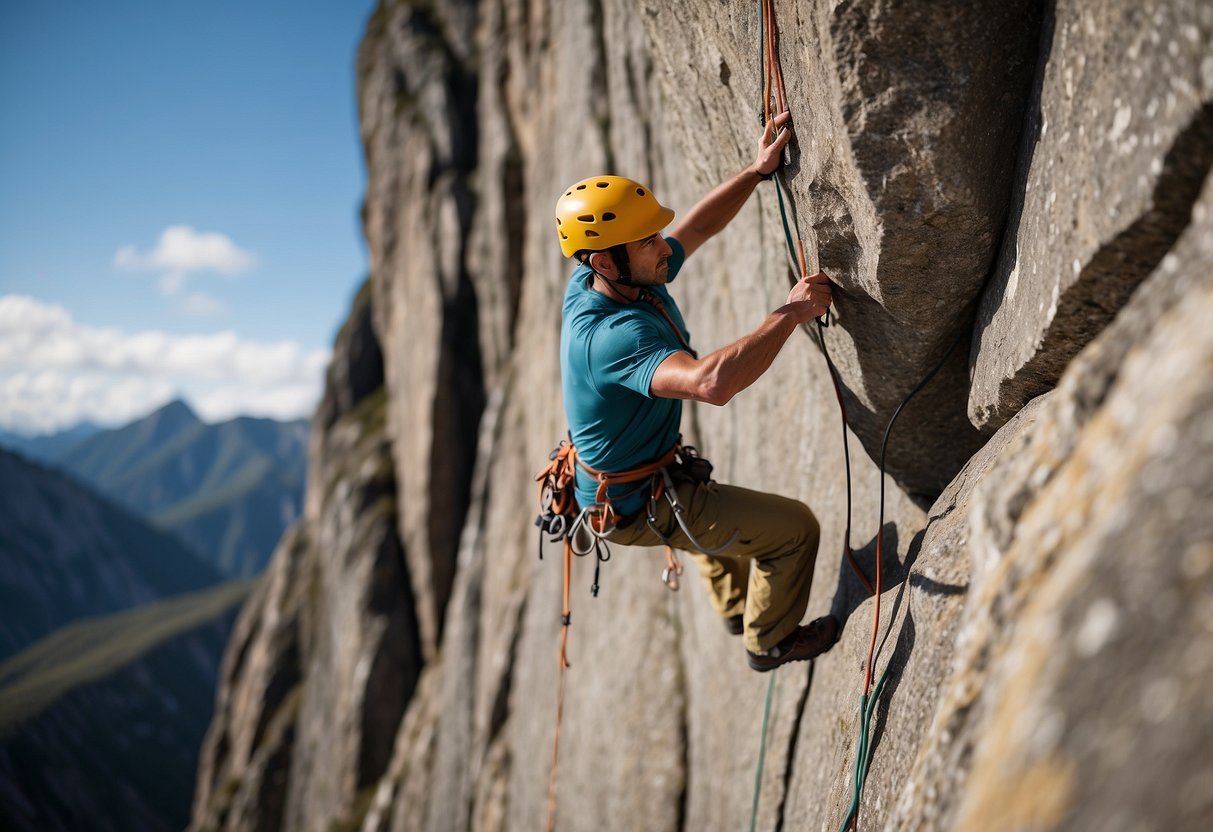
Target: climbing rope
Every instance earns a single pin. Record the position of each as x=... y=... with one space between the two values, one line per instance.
x=867 y=704
x=772 y=78
x=768 y=39
x=564 y=664
x=762 y=752
x=772 y=81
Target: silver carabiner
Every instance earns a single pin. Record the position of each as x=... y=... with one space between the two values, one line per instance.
x=580 y=523
x=676 y=507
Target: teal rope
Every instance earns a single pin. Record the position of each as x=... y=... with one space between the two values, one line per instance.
x=762 y=753
x=762 y=79
x=863 y=753
x=783 y=215
x=766 y=710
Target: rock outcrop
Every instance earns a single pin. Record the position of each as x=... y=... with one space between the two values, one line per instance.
x=1049 y=575
x=326 y=653
x=1118 y=137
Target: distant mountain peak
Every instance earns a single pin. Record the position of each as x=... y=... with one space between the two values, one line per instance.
x=176 y=409
x=168 y=421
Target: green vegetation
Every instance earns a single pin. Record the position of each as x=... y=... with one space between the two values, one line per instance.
x=228 y=490
x=92 y=648
x=68 y=553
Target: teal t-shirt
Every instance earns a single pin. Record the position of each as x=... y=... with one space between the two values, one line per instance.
x=608 y=354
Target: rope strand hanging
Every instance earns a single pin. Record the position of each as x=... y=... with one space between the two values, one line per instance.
x=772 y=82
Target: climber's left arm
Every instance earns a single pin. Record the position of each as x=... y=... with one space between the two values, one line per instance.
x=712 y=213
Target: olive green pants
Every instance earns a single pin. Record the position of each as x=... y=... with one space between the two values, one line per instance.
x=765 y=575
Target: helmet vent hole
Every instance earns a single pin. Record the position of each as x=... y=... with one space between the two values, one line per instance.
x=580 y=187
x=608 y=216
x=586 y=218
x=603 y=184
x=640 y=192
x=591 y=232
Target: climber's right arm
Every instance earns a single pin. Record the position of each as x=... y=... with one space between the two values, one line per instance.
x=717 y=377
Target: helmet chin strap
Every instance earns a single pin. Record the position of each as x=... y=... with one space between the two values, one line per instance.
x=620 y=255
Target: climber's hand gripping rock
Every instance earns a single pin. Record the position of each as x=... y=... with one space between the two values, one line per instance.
x=771 y=145
x=810 y=297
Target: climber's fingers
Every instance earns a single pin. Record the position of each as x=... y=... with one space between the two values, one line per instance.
x=771 y=147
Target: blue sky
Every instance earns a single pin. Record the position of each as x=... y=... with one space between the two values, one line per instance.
x=179 y=194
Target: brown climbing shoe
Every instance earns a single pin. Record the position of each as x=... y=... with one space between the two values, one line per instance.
x=804 y=643
x=735 y=624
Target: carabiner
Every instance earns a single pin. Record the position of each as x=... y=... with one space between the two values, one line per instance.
x=669 y=577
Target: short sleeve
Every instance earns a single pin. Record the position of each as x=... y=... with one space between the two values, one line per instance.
x=626 y=351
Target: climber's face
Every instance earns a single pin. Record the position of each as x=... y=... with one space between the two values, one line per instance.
x=648 y=260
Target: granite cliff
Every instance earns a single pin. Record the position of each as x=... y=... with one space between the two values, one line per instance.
x=1025 y=185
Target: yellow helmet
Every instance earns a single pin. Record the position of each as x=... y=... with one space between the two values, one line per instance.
x=605 y=211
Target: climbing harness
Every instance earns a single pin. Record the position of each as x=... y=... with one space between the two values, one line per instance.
x=583 y=531
x=772 y=77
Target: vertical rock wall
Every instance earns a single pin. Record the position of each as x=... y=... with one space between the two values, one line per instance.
x=326 y=653
x=1119 y=133
x=930 y=138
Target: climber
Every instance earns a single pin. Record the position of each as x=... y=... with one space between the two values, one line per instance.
x=626 y=365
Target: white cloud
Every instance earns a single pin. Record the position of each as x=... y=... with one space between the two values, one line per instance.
x=201 y=305
x=181 y=249
x=48 y=401
x=171 y=284
x=55 y=371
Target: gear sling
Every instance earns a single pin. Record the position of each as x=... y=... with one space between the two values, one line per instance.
x=583 y=530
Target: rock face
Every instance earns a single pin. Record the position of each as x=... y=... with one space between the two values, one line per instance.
x=1119 y=133
x=1049 y=570
x=325 y=655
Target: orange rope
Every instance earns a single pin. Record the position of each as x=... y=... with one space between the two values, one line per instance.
x=564 y=663
x=766 y=87
x=773 y=71
x=867 y=681
x=560 y=473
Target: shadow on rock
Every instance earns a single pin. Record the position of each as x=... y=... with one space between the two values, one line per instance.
x=851 y=590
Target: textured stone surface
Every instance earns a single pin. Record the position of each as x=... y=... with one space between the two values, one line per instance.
x=326 y=654
x=1091 y=586
x=1119 y=136
x=418 y=127
x=908 y=117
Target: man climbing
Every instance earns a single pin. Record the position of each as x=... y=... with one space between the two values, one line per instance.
x=627 y=364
